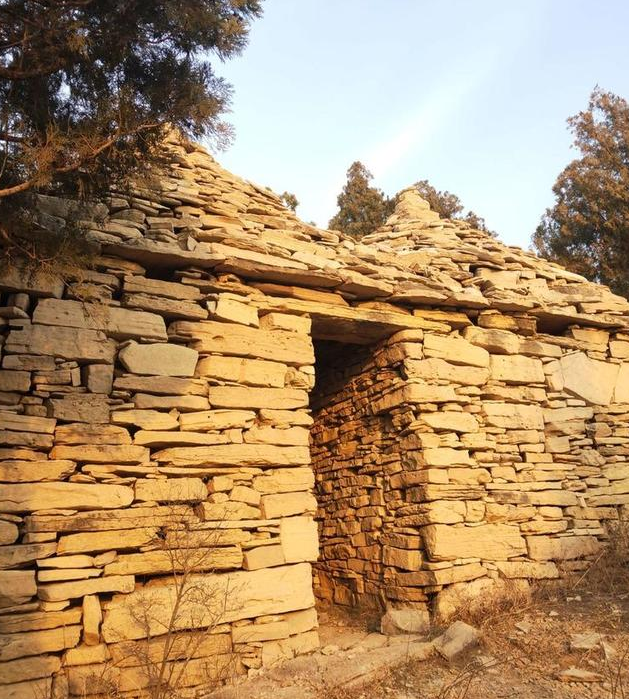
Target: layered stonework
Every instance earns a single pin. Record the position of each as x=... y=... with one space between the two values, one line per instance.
x=159 y=414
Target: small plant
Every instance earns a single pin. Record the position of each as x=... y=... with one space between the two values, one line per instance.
x=609 y=571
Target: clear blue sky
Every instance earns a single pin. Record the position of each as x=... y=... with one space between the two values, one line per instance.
x=470 y=94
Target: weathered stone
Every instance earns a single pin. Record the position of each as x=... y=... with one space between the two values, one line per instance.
x=241 y=370
x=438 y=369
x=263 y=557
x=241 y=341
x=8 y=532
x=252 y=594
x=79 y=345
x=68 y=590
x=19 y=554
x=287 y=504
x=90 y=542
x=171 y=490
x=90 y=408
x=545 y=548
x=488 y=541
x=455 y=350
x=36 y=621
x=241 y=397
x=141 y=285
x=235 y=455
x=514 y=417
x=28 y=669
x=25 y=439
x=185 y=404
x=102 y=454
x=577 y=674
x=108 y=519
x=404 y=621
x=299 y=539
x=15 y=277
x=87 y=655
x=65 y=574
x=516 y=369
x=82 y=433
x=621 y=390
x=590 y=379
x=290 y=436
x=26 y=423
x=211 y=420
x=170 y=561
x=92 y=617
x=146 y=419
x=284 y=480
x=28 y=689
x=168 y=308
x=283 y=321
x=162 y=439
x=165 y=385
x=120 y=323
x=458 y=637
x=526 y=569
x=32 y=471
x=98 y=378
x=451 y=421
x=20 y=645
x=232 y=309
x=16 y=587
x=226 y=511
x=79 y=496
x=164 y=359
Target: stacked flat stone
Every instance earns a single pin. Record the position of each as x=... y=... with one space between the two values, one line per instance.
x=474 y=430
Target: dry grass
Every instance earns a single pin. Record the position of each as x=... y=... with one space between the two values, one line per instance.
x=609 y=572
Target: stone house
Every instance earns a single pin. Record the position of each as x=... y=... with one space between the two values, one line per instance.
x=405 y=421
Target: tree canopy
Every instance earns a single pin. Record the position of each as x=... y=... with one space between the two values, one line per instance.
x=289 y=200
x=89 y=87
x=448 y=205
x=587 y=229
x=362 y=208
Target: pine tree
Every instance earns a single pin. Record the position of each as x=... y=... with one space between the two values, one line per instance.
x=587 y=229
x=88 y=88
x=448 y=205
x=289 y=200
x=362 y=208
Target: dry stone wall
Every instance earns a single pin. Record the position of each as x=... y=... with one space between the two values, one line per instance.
x=134 y=447
x=155 y=421
x=353 y=449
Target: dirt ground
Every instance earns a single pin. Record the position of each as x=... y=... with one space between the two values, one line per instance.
x=525 y=646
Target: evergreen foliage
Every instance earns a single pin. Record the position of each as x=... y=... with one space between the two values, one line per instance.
x=362 y=208
x=88 y=88
x=587 y=229
x=448 y=205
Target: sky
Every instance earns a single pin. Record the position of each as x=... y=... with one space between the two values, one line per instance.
x=471 y=95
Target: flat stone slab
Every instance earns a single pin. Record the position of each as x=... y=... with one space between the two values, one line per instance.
x=159 y=359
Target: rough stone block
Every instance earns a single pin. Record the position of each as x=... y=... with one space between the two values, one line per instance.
x=72 y=344
x=116 y=322
x=492 y=542
x=171 y=490
x=162 y=359
x=80 y=496
x=299 y=539
x=455 y=349
x=287 y=504
x=241 y=370
x=251 y=594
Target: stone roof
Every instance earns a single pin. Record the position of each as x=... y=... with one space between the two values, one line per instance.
x=197 y=215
